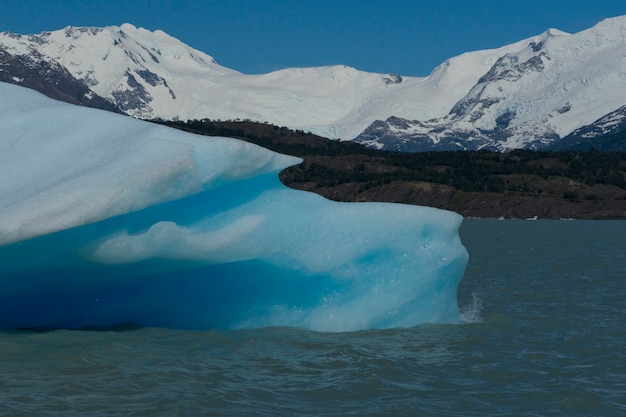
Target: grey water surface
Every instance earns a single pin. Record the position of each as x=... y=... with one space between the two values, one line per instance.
x=544 y=334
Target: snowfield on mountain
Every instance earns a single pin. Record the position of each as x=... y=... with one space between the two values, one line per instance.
x=529 y=94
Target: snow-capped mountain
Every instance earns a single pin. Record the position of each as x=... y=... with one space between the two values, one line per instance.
x=608 y=133
x=528 y=94
x=152 y=75
x=531 y=97
x=34 y=71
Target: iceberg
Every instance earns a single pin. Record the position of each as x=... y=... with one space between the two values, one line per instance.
x=106 y=220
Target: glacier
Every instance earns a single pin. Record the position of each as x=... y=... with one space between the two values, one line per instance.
x=107 y=220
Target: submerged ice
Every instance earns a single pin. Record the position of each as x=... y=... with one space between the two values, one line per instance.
x=107 y=220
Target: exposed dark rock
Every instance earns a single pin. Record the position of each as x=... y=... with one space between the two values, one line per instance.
x=50 y=79
x=608 y=133
x=135 y=98
x=503 y=121
x=150 y=77
x=567 y=107
x=508 y=68
x=536 y=46
x=392 y=79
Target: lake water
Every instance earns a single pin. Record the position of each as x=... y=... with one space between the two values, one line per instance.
x=545 y=335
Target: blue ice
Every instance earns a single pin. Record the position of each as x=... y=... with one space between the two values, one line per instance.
x=107 y=220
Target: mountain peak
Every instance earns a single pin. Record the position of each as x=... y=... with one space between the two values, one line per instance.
x=129 y=27
x=536 y=92
x=553 y=33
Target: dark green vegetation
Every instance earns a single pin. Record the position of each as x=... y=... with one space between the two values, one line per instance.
x=519 y=184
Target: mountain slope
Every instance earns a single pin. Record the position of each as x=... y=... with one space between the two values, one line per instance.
x=529 y=94
x=608 y=133
x=35 y=71
x=530 y=98
x=152 y=75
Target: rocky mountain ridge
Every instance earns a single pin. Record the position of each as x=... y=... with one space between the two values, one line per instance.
x=530 y=99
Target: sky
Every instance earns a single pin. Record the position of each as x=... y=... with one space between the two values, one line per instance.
x=406 y=37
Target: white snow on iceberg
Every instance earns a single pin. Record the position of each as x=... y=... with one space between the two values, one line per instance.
x=106 y=220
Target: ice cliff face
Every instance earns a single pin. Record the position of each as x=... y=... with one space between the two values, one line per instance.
x=106 y=220
x=530 y=98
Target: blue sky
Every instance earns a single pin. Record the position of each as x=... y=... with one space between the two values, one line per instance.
x=407 y=37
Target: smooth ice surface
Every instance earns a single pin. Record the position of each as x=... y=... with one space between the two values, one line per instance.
x=105 y=220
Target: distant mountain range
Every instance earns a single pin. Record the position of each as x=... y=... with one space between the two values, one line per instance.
x=551 y=91
x=554 y=90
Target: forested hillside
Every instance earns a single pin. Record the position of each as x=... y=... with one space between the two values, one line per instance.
x=519 y=184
